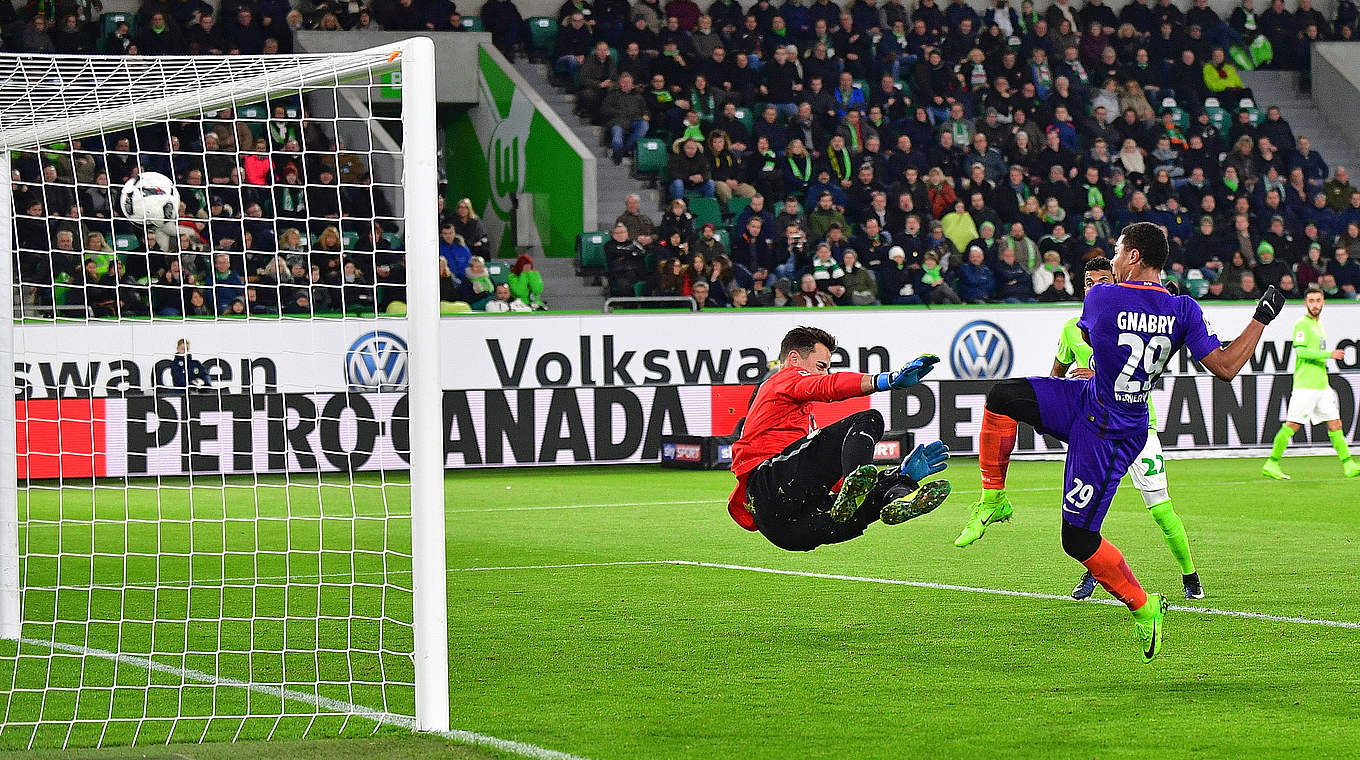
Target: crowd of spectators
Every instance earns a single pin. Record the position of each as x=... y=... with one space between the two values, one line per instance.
x=275 y=217
x=916 y=153
x=904 y=154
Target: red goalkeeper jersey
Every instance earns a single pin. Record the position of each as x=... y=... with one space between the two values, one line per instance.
x=778 y=416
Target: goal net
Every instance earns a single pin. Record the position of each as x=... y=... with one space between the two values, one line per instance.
x=224 y=516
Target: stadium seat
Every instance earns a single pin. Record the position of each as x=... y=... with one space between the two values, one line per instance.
x=111 y=21
x=542 y=34
x=724 y=238
x=737 y=205
x=705 y=211
x=349 y=239
x=472 y=23
x=126 y=243
x=744 y=116
x=1182 y=119
x=1218 y=116
x=498 y=272
x=651 y=156
x=590 y=253
x=392 y=239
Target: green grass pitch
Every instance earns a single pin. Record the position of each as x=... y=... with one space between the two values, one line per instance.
x=690 y=661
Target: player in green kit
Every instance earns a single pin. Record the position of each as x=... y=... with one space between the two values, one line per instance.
x=1149 y=469
x=1312 y=400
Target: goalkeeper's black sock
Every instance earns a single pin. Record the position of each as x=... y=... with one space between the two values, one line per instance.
x=858 y=446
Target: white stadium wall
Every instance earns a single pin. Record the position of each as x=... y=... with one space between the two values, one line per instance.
x=572 y=389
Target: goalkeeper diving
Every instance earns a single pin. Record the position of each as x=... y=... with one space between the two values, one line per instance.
x=802 y=486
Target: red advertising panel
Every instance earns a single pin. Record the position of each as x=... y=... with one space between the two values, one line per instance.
x=60 y=438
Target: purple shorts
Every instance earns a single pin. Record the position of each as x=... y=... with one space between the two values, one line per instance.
x=1096 y=459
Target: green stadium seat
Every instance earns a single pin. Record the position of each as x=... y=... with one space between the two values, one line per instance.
x=737 y=205
x=126 y=243
x=746 y=118
x=499 y=272
x=111 y=20
x=705 y=211
x=1218 y=116
x=472 y=23
x=724 y=238
x=349 y=239
x=542 y=33
x=393 y=239
x=1182 y=119
x=651 y=156
x=590 y=253
x=253 y=111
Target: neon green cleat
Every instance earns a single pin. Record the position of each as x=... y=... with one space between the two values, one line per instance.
x=915 y=503
x=1271 y=469
x=854 y=488
x=1350 y=468
x=993 y=507
x=1148 y=620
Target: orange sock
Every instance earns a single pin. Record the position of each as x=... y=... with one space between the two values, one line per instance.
x=994 y=448
x=1108 y=567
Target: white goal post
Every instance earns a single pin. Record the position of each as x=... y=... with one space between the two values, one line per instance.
x=55 y=532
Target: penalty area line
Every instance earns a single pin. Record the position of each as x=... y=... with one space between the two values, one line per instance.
x=324 y=704
x=925 y=585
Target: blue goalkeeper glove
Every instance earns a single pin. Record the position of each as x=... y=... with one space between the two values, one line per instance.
x=909 y=375
x=926 y=460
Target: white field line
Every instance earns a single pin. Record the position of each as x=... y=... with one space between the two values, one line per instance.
x=958 y=491
x=926 y=585
x=714 y=500
x=324 y=704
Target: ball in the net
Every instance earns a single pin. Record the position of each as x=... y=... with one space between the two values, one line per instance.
x=150 y=198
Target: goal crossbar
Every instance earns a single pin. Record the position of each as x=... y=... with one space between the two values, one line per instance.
x=110 y=93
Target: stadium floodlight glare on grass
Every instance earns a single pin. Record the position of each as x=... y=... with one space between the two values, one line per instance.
x=200 y=592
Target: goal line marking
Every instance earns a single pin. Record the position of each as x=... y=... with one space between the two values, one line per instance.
x=324 y=704
x=922 y=584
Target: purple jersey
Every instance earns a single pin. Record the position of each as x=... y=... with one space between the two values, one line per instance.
x=1134 y=329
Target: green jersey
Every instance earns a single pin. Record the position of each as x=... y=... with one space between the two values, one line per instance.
x=1310 y=354
x=1073 y=351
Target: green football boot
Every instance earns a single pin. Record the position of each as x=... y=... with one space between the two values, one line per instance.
x=906 y=505
x=993 y=507
x=1148 y=621
x=854 y=488
x=1271 y=469
x=1350 y=468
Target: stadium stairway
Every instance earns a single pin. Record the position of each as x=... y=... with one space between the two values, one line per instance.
x=613 y=183
x=1281 y=88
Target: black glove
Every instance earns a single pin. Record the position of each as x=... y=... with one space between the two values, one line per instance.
x=1270 y=305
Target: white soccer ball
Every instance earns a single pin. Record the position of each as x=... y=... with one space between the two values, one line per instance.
x=150 y=198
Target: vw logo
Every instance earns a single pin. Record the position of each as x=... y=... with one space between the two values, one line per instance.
x=376 y=362
x=981 y=351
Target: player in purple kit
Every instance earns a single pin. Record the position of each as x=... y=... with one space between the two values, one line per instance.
x=1133 y=328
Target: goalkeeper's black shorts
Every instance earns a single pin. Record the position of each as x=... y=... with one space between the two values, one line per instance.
x=791 y=496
